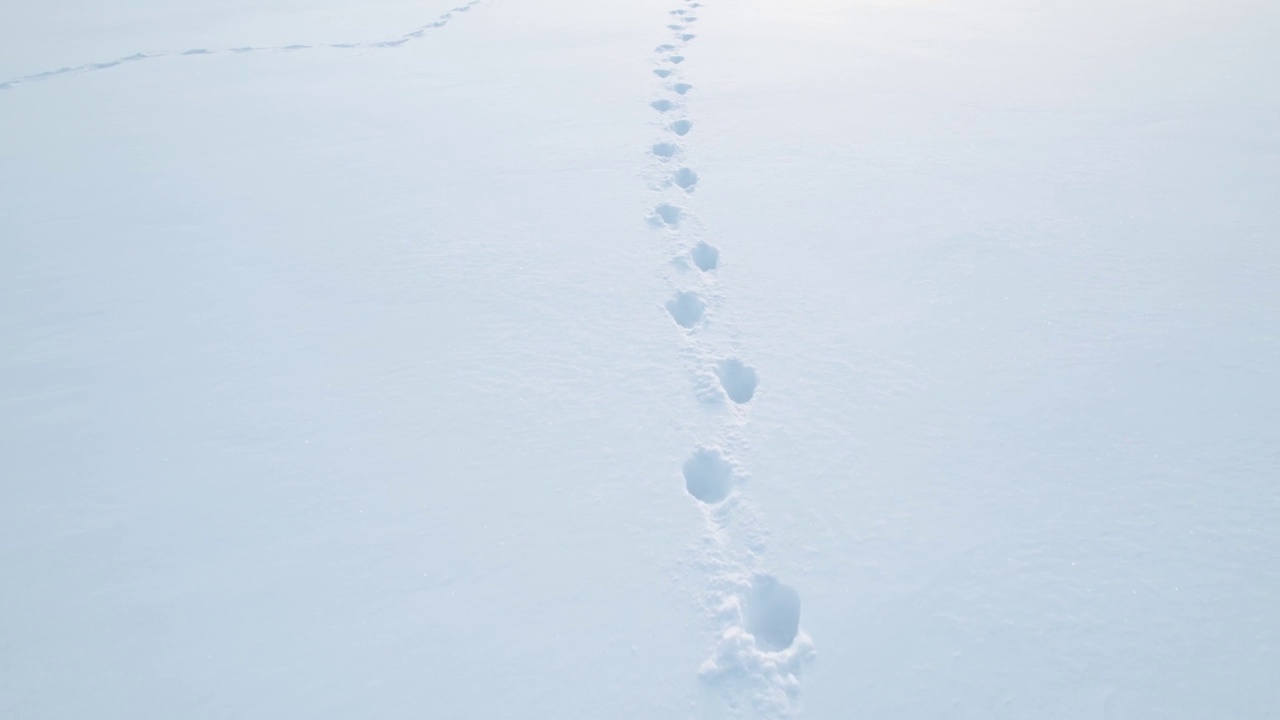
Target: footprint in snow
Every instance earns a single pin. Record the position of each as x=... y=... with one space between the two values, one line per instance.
x=665 y=150
x=664 y=48
x=685 y=178
x=772 y=613
x=705 y=257
x=667 y=214
x=662 y=105
x=708 y=477
x=197 y=51
x=687 y=36
x=675 y=27
x=686 y=308
x=682 y=88
x=738 y=380
x=663 y=72
x=681 y=127
x=675 y=59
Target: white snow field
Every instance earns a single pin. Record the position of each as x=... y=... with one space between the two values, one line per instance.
x=641 y=359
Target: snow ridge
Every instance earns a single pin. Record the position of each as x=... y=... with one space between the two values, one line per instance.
x=396 y=41
x=754 y=667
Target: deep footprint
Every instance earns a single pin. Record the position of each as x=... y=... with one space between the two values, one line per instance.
x=662 y=105
x=772 y=613
x=682 y=88
x=685 y=178
x=681 y=127
x=738 y=380
x=705 y=257
x=686 y=308
x=663 y=72
x=708 y=476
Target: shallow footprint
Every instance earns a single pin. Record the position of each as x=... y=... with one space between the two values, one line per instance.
x=686 y=308
x=705 y=257
x=739 y=380
x=662 y=72
x=682 y=88
x=675 y=59
x=662 y=105
x=681 y=127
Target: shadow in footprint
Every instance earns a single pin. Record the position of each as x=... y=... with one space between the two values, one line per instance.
x=663 y=72
x=738 y=380
x=687 y=36
x=705 y=257
x=664 y=48
x=772 y=613
x=662 y=105
x=686 y=308
x=666 y=214
x=685 y=178
x=676 y=59
x=708 y=476
x=682 y=88
x=197 y=51
x=681 y=127
x=666 y=150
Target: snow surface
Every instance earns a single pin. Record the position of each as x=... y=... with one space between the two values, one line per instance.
x=554 y=359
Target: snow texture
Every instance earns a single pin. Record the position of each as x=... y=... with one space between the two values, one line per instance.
x=647 y=359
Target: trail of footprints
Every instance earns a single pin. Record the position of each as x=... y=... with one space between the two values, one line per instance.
x=397 y=41
x=760 y=629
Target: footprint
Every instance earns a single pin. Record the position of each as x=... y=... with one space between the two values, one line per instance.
x=664 y=48
x=662 y=72
x=391 y=43
x=676 y=59
x=343 y=45
x=708 y=476
x=682 y=88
x=135 y=57
x=242 y=50
x=679 y=11
x=738 y=380
x=291 y=48
x=705 y=257
x=687 y=36
x=677 y=28
x=662 y=105
x=686 y=308
x=669 y=215
x=197 y=51
x=681 y=127
x=685 y=178
x=666 y=150
x=104 y=65
x=772 y=612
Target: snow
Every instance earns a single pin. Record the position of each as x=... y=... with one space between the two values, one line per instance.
x=643 y=359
